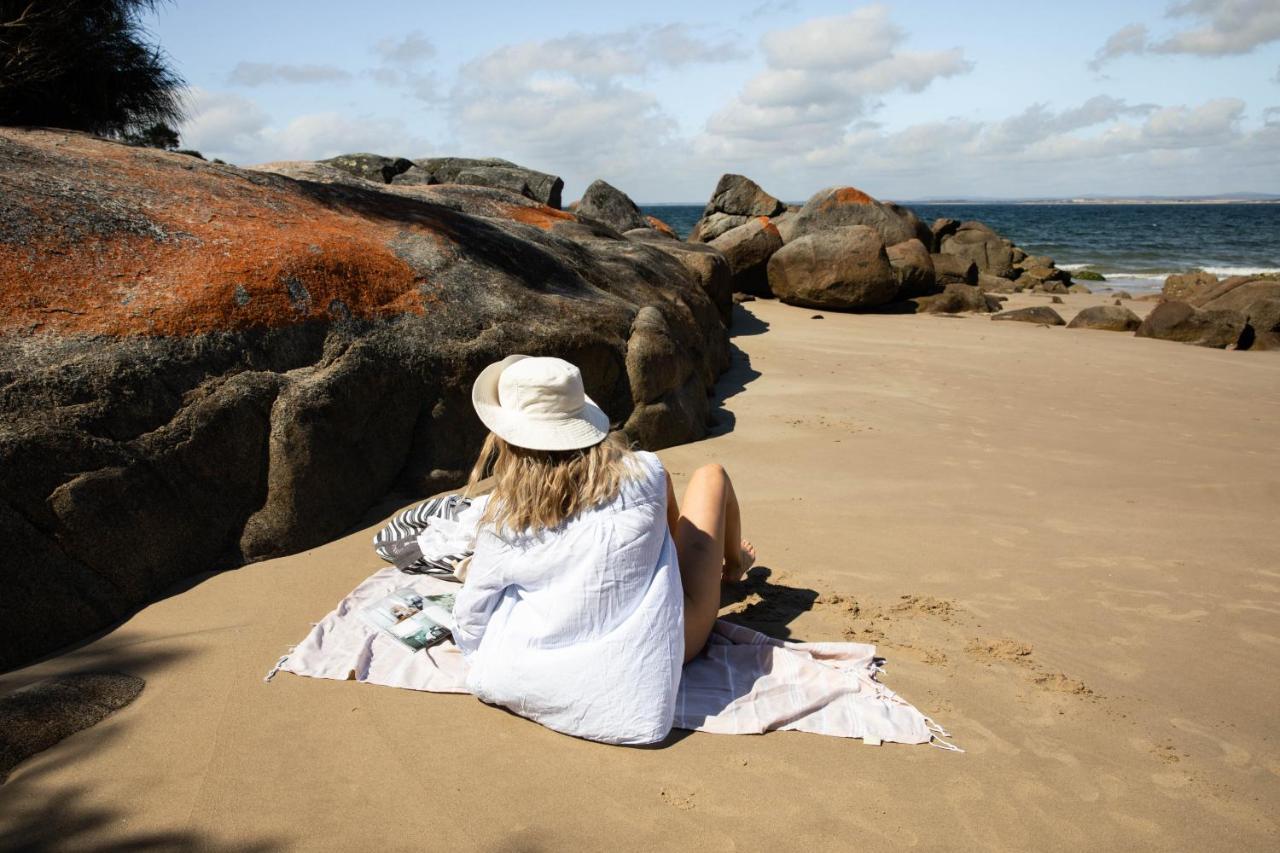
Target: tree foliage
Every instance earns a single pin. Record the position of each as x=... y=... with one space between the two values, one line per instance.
x=84 y=65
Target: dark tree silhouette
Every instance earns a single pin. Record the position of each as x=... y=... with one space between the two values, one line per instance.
x=84 y=65
x=158 y=135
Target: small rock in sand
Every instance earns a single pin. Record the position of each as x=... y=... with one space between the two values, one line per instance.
x=1036 y=314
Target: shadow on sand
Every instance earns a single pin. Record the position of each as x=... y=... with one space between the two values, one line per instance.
x=771 y=607
x=740 y=373
x=40 y=811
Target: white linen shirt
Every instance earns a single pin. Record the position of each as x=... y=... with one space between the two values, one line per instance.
x=581 y=628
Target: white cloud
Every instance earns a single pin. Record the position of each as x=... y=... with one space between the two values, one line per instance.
x=1103 y=144
x=1038 y=122
x=1233 y=26
x=235 y=128
x=263 y=73
x=1130 y=39
x=819 y=80
x=1225 y=27
x=856 y=40
x=411 y=49
x=222 y=124
x=600 y=57
x=399 y=65
x=573 y=104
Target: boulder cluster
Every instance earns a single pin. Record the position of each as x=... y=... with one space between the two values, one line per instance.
x=843 y=250
x=1240 y=312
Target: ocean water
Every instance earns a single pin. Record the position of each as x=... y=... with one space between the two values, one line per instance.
x=1133 y=245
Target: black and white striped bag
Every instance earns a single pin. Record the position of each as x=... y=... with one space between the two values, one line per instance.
x=397 y=541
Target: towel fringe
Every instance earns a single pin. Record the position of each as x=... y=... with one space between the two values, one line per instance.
x=276 y=668
x=937 y=734
x=942 y=744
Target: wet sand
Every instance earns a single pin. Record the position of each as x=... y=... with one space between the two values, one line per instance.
x=1062 y=540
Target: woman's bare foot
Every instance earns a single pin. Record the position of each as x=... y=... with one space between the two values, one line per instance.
x=734 y=570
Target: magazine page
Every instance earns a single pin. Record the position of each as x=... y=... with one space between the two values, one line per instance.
x=416 y=620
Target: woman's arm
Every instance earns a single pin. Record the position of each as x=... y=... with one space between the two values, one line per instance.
x=475 y=604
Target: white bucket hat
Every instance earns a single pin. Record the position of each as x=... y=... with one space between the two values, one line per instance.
x=539 y=404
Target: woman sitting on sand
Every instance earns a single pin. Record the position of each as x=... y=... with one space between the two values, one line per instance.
x=589 y=588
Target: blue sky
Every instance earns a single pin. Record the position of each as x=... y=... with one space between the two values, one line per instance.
x=903 y=100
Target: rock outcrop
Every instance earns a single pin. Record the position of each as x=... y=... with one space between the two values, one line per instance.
x=955 y=299
x=913 y=268
x=840 y=206
x=202 y=365
x=748 y=248
x=706 y=264
x=485 y=172
x=606 y=203
x=1257 y=299
x=371 y=167
x=841 y=269
x=1178 y=321
x=1108 y=318
x=974 y=241
x=1186 y=287
x=953 y=269
x=734 y=202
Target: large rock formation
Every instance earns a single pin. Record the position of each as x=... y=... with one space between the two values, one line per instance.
x=606 y=203
x=837 y=206
x=1178 y=321
x=1257 y=299
x=485 y=172
x=841 y=269
x=707 y=265
x=202 y=365
x=735 y=200
x=913 y=268
x=1187 y=286
x=976 y=242
x=953 y=269
x=748 y=248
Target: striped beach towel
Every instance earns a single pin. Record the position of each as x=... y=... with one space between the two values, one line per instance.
x=744 y=682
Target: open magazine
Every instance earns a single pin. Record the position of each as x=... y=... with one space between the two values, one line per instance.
x=414 y=619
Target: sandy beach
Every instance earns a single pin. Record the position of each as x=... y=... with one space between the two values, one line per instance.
x=1062 y=541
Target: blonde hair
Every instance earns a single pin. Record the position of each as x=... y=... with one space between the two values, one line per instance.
x=536 y=490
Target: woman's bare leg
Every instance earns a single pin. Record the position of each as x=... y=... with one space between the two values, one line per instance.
x=710 y=548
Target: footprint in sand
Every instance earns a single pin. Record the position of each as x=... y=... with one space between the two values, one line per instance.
x=1002 y=649
x=1059 y=683
x=1005 y=650
x=677 y=799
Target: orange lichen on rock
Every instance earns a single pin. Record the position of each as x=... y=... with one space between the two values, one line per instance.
x=540 y=215
x=658 y=225
x=200 y=250
x=847 y=195
x=769 y=226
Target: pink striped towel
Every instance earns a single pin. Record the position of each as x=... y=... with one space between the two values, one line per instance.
x=744 y=682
